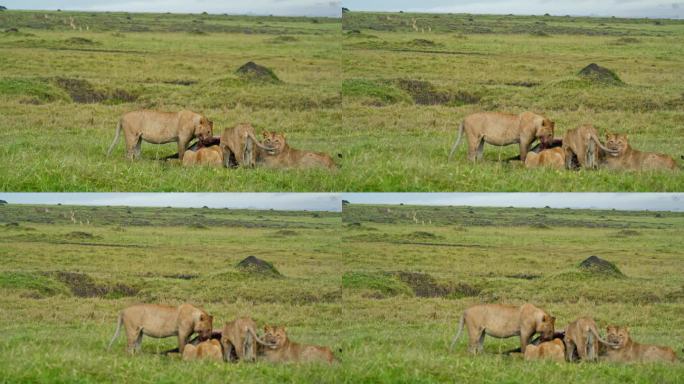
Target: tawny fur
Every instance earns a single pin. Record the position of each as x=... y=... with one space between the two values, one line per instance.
x=285 y=350
x=552 y=158
x=501 y=129
x=211 y=156
x=283 y=156
x=240 y=336
x=582 y=336
x=160 y=321
x=627 y=350
x=502 y=321
x=206 y=350
x=583 y=142
x=240 y=144
x=159 y=128
x=628 y=158
x=548 y=350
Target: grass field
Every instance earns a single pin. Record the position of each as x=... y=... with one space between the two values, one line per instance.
x=63 y=89
x=409 y=79
x=410 y=272
x=63 y=281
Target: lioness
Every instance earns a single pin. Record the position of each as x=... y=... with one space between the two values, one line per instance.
x=582 y=336
x=501 y=321
x=160 y=128
x=284 y=350
x=238 y=146
x=238 y=336
x=553 y=158
x=281 y=155
x=623 y=349
x=552 y=350
x=583 y=142
x=209 y=350
x=624 y=157
x=503 y=129
x=212 y=156
x=162 y=321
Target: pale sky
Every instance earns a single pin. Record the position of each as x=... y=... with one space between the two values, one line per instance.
x=619 y=201
x=673 y=9
x=255 y=7
x=277 y=201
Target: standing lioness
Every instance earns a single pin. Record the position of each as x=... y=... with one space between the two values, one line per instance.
x=503 y=129
x=161 y=128
x=503 y=321
x=162 y=321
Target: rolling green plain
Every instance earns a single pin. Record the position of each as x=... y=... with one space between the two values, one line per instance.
x=410 y=271
x=410 y=79
x=63 y=282
x=62 y=91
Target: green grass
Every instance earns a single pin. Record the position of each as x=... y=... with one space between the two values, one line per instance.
x=54 y=333
x=485 y=63
x=165 y=62
x=507 y=255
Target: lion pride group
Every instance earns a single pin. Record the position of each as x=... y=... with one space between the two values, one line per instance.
x=580 y=339
x=579 y=147
x=237 y=146
x=236 y=341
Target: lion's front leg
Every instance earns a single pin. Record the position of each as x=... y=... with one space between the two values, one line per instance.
x=182 y=340
x=524 y=148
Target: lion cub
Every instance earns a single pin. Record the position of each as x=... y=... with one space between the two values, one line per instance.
x=551 y=350
x=625 y=157
x=281 y=155
x=284 y=350
x=553 y=158
x=212 y=156
x=623 y=349
x=206 y=350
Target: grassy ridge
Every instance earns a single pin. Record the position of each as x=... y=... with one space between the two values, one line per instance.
x=411 y=271
x=460 y=64
x=66 y=282
x=175 y=62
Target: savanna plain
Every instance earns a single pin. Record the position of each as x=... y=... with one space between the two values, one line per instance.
x=67 y=271
x=410 y=271
x=67 y=77
x=409 y=79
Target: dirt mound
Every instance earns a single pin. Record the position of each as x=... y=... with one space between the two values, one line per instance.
x=82 y=285
x=80 y=235
x=81 y=91
x=424 y=285
x=286 y=232
x=80 y=41
x=424 y=93
x=254 y=265
x=257 y=73
x=595 y=264
x=598 y=74
x=628 y=232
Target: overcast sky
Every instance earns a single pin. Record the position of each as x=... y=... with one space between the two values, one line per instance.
x=278 y=201
x=257 y=7
x=620 y=201
x=620 y=8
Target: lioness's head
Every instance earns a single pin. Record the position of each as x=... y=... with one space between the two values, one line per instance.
x=617 y=143
x=618 y=336
x=204 y=128
x=276 y=336
x=546 y=327
x=275 y=141
x=545 y=131
x=204 y=326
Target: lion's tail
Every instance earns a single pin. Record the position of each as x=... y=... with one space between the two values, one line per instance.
x=116 y=138
x=118 y=329
x=458 y=333
x=458 y=140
